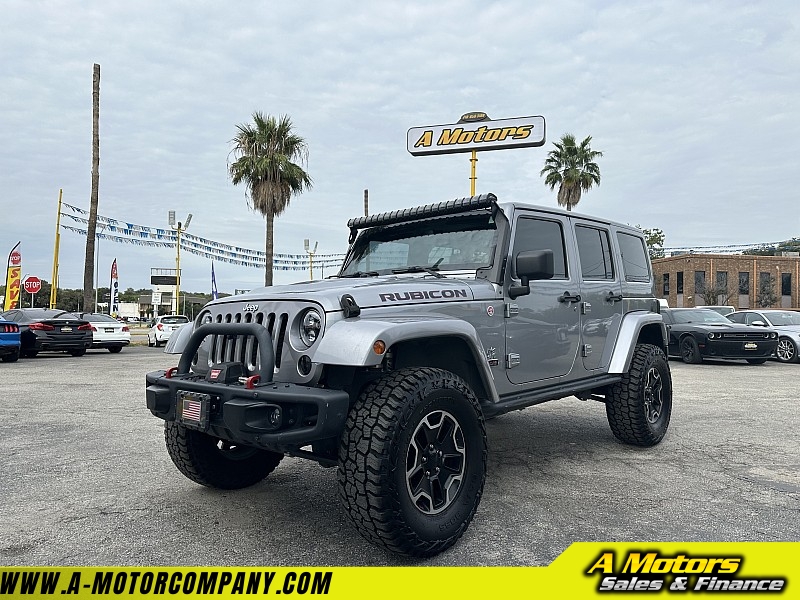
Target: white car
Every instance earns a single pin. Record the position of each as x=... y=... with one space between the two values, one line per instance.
x=785 y=322
x=107 y=332
x=162 y=327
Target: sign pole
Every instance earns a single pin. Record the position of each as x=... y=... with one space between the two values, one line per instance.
x=473 y=177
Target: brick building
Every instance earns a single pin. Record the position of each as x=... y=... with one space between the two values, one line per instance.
x=743 y=281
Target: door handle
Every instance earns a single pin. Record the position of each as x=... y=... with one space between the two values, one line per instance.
x=567 y=297
x=612 y=297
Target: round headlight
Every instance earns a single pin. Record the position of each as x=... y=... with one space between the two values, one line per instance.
x=773 y=335
x=310 y=326
x=206 y=318
x=712 y=335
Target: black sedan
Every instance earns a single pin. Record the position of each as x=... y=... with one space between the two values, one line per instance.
x=695 y=333
x=46 y=329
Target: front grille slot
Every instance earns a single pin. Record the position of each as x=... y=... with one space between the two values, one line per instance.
x=745 y=336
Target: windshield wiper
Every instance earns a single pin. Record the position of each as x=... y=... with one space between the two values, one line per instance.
x=361 y=274
x=433 y=270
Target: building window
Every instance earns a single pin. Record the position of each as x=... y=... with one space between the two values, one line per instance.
x=679 y=282
x=666 y=284
x=744 y=283
x=699 y=282
x=786 y=284
x=722 y=280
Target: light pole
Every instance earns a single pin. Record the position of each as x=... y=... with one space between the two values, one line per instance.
x=180 y=227
x=97 y=262
x=311 y=254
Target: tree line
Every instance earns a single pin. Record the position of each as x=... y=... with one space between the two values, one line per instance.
x=71 y=300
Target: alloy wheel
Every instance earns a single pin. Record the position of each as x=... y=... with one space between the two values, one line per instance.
x=653 y=396
x=435 y=462
x=786 y=350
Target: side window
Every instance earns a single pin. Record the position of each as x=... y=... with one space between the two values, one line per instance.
x=634 y=259
x=753 y=317
x=595 y=253
x=737 y=317
x=539 y=234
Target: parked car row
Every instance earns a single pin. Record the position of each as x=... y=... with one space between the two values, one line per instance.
x=28 y=331
x=752 y=335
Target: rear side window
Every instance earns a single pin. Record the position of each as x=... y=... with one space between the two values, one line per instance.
x=634 y=257
x=540 y=234
x=594 y=250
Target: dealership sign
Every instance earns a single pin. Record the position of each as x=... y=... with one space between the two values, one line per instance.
x=475 y=131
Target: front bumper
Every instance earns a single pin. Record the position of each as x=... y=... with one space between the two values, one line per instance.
x=246 y=414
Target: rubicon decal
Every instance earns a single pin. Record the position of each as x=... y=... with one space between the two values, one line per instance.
x=652 y=572
x=519 y=132
x=423 y=295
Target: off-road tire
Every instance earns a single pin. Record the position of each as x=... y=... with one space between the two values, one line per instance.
x=383 y=435
x=76 y=353
x=13 y=357
x=115 y=349
x=216 y=464
x=756 y=361
x=690 y=352
x=637 y=412
x=786 y=352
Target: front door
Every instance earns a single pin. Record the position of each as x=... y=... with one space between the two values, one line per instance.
x=542 y=328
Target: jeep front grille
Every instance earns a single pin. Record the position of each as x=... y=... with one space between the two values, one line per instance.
x=243 y=348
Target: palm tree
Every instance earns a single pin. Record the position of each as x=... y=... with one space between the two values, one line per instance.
x=572 y=168
x=266 y=153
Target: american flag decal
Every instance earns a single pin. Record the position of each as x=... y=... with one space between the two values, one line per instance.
x=192 y=409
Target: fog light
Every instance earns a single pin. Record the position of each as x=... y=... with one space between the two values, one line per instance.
x=304 y=365
x=379 y=347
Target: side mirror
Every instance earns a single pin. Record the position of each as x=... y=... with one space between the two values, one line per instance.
x=531 y=265
x=759 y=323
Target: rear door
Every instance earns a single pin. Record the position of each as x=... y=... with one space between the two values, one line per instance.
x=601 y=293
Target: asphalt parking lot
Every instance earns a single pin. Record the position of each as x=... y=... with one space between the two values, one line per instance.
x=85 y=478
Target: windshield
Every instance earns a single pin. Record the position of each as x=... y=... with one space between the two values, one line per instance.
x=780 y=318
x=700 y=315
x=463 y=243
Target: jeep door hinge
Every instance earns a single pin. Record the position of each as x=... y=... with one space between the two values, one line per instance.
x=587 y=350
x=586 y=308
x=512 y=360
x=511 y=310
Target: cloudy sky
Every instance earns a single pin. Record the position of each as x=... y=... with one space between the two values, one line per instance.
x=694 y=105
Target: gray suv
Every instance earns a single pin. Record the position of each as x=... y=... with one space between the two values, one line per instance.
x=442 y=316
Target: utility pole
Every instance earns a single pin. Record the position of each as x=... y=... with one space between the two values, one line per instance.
x=179 y=228
x=88 y=264
x=366 y=203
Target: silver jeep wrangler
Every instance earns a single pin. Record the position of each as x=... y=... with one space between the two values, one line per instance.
x=441 y=317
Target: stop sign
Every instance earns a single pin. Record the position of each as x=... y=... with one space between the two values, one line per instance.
x=32 y=284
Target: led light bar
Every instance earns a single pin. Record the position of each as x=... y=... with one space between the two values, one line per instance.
x=429 y=210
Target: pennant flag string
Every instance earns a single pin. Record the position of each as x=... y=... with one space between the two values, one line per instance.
x=169 y=235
